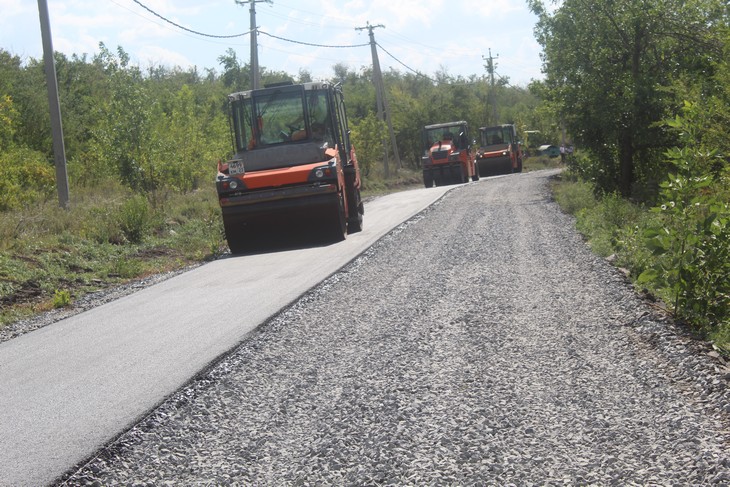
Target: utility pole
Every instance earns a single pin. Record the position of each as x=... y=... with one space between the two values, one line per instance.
x=255 y=74
x=492 y=94
x=59 y=151
x=381 y=100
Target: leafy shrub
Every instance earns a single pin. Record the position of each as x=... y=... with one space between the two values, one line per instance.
x=368 y=136
x=61 y=298
x=25 y=177
x=692 y=237
x=135 y=219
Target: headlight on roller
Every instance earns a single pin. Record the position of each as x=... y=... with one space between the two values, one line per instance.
x=227 y=185
x=324 y=173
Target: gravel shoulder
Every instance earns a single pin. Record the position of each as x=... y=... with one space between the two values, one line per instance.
x=479 y=343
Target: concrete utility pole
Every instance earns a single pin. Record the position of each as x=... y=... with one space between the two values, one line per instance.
x=59 y=151
x=255 y=74
x=381 y=100
x=492 y=94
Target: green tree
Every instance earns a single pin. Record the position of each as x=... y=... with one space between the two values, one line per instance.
x=125 y=138
x=605 y=62
x=25 y=176
x=368 y=136
x=8 y=114
x=235 y=77
x=191 y=143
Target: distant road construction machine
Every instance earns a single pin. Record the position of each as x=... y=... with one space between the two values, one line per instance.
x=499 y=150
x=447 y=155
x=294 y=168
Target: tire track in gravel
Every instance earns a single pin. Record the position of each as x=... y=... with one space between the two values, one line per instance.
x=478 y=344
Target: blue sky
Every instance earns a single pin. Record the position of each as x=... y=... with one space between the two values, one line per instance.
x=425 y=35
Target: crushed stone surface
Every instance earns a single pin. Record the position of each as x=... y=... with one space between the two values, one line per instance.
x=479 y=343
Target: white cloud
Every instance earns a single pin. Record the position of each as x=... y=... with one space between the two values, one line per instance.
x=11 y=8
x=152 y=55
x=425 y=35
x=494 y=9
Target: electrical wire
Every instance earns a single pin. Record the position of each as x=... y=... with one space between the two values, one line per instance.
x=242 y=34
x=405 y=65
x=266 y=46
x=185 y=28
x=309 y=43
x=329 y=46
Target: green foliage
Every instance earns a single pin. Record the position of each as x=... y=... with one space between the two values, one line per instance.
x=611 y=225
x=614 y=72
x=61 y=298
x=125 y=268
x=44 y=248
x=192 y=139
x=679 y=251
x=126 y=136
x=163 y=129
x=8 y=115
x=135 y=219
x=368 y=137
x=692 y=239
x=25 y=177
x=235 y=76
x=608 y=64
x=575 y=197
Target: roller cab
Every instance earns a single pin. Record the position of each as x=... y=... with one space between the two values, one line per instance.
x=294 y=168
x=447 y=155
x=499 y=150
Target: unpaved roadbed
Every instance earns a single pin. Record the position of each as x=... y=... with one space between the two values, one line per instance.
x=485 y=347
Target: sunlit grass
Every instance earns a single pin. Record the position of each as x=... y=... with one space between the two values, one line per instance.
x=50 y=257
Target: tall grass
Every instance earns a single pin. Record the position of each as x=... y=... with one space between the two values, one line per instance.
x=51 y=256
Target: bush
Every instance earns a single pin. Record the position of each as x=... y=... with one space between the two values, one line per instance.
x=691 y=239
x=25 y=177
x=135 y=219
x=575 y=196
x=61 y=298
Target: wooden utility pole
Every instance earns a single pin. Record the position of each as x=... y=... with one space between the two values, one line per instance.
x=491 y=97
x=59 y=151
x=255 y=74
x=382 y=100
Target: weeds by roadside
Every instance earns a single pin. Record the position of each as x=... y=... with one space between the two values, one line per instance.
x=688 y=281
x=50 y=257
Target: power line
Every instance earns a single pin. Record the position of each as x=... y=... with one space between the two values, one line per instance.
x=265 y=46
x=166 y=26
x=309 y=43
x=185 y=28
x=240 y=35
x=293 y=41
x=404 y=65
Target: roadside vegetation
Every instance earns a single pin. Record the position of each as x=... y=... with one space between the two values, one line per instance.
x=643 y=88
x=142 y=147
x=640 y=89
